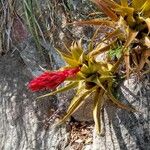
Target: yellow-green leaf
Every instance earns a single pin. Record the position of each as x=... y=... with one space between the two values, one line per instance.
x=137 y=4
x=70 y=61
x=60 y=90
x=117 y=102
x=82 y=58
x=76 y=103
x=76 y=50
x=124 y=3
x=85 y=69
x=146 y=6
x=98 y=82
x=106 y=77
x=98 y=101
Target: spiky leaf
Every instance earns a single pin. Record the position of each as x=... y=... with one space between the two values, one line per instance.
x=60 y=90
x=76 y=103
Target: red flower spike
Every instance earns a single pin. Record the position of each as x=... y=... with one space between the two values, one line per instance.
x=50 y=80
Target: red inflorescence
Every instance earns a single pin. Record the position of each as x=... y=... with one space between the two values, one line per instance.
x=50 y=80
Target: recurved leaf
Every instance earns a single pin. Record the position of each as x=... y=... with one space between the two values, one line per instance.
x=116 y=65
x=98 y=101
x=117 y=102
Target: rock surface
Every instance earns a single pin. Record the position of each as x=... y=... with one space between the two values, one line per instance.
x=26 y=124
x=23 y=119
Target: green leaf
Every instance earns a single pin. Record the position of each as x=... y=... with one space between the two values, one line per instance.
x=116 y=52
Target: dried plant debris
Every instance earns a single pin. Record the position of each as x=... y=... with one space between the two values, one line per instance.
x=80 y=134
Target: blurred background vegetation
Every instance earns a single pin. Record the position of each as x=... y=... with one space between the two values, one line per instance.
x=43 y=20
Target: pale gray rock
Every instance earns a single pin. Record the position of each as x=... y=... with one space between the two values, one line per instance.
x=124 y=130
x=26 y=124
x=24 y=121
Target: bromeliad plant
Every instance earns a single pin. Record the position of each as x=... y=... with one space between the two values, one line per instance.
x=84 y=74
x=129 y=22
x=127 y=40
